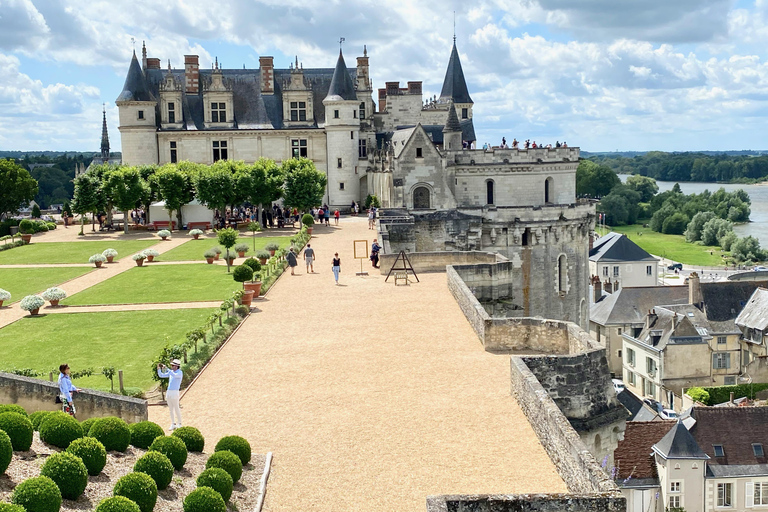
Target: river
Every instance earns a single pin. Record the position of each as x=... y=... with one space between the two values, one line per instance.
x=758 y=194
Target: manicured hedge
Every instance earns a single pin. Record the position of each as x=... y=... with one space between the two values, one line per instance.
x=173 y=448
x=9 y=507
x=139 y=488
x=6 y=451
x=721 y=394
x=19 y=429
x=156 y=465
x=204 y=499
x=60 y=429
x=227 y=461
x=112 y=432
x=91 y=451
x=39 y=494
x=87 y=424
x=68 y=472
x=193 y=439
x=237 y=445
x=144 y=432
x=13 y=408
x=117 y=504
x=37 y=418
x=218 y=480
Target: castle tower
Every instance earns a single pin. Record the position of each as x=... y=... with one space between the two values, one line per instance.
x=138 y=128
x=452 y=131
x=342 y=127
x=455 y=87
x=104 y=137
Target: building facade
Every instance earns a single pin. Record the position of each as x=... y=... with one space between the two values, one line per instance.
x=620 y=262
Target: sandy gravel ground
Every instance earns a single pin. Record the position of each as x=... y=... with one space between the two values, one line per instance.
x=371 y=397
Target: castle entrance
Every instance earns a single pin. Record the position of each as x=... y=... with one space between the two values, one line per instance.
x=421 y=198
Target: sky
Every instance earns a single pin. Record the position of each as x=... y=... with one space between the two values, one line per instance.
x=605 y=75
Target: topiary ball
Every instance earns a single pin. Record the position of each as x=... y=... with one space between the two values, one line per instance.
x=60 y=429
x=156 y=465
x=144 y=432
x=204 y=499
x=227 y=461
x=37 y=418
x=91 y=451
x=139 y=488
x=6 y=451
x=69 y=473
x=13 y=408
x=39 y=494
x=173 y=448
x=218 y=480
x=113 y=433
x=117 y=504
x=237 y=445
x=19 y=429
x=193 y=439
x=87 y=424
x=8 y=507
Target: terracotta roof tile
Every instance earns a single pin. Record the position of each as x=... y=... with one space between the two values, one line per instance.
x=633 y=455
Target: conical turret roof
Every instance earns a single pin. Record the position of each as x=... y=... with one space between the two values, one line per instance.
x=452 y=124
x=135 y=88
x=678 y=443
x=454 y=85
x=341 y=87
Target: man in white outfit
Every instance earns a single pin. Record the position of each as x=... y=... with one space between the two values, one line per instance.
x=174 y=376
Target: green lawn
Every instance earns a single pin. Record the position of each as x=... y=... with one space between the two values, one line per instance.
x=673 y=247
x=69 y=252
x=27 y=281
x=161 y=283
x=194 y=249
x=128 y=340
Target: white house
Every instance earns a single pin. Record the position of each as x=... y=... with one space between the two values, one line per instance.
x=617 y=259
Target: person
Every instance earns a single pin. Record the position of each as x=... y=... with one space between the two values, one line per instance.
x=371 y=218
x=515 y=143
x=309 y=258
x=296 y=215
x=320 y=215
x=66 y=388
x=357 y=209
x=327 y=216
x=336 y=216
x=174 y=376
x=65 y=218
x=375 y=248
x=291 y=258
x=336 y=267
x=503 y=142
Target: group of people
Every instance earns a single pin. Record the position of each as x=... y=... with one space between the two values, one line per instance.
x=527 y=144
x=323 y=214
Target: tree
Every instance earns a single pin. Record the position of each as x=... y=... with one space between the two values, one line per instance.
x=174 y=186
x=215 y=185
x=675 y=224
x=727 y=241
x=747 y=249
x=227 y=237
x=657 y=221
x=304 y=184
x=125 y=188
x=18 y=189
x=36 y=213
x=88 y=197
x=715 y=230
x=595 y=180
x=693 y=231
x=260 y=183
x=645 y=186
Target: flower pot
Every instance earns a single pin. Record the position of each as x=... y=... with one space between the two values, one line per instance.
x=54 y=302
x=110 y=259
x=231 y=260
x=255 y=287
x=209 y=260
x=164 y=237
x=271 y=252
x=196 y=237
x=216 y=257
x=140 y=263
x=34 y=312
x=26 y=238
x=150 y=257
x=247 y=297
x=1 y=303
x=309 y=230
x=241 y=254
x=98 y=263
x=263 y=261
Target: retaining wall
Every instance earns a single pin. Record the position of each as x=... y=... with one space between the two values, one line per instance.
x=527 y=503
x=437 y=261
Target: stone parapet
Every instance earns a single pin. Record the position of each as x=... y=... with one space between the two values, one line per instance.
x=437 y=261
x=514 y=156
x=600 y=502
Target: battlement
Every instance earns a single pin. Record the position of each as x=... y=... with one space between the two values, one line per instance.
x=513 y=156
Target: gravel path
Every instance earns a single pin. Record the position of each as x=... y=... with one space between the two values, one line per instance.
x=371 y=397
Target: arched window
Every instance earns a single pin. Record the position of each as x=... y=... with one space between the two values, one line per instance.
x=421 y=198
x=489 y=192
x=562 y=273
x=549 y=190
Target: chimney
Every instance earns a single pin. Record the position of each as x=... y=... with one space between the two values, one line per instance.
x=393 y=88
x=362 y=71
x=597 y=285
x=153 y=63
x=651 y=318
x=591 y=240
x=414 y=88
x=732 y=395
x=382 y=100
x=192 y=73
x=267 y=67
x=694 y=290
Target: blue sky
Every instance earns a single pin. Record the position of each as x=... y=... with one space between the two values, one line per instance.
x=601 y=74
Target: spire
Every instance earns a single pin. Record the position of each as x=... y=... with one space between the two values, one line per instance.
x=454 y=85
x=104 y=136
x=452 y=124
x=143 y=55
x=341 y=87
x=135 y=88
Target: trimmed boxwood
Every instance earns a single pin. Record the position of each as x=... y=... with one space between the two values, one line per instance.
x=69 y=473
x=91 y=451
x=37 y=418
x=19 y=429
x=173 y=448
x=112 y=432
x=13 y=408
x=6 y=451
x=39 y=494
x=218 y=480
x=156 y=465
x=227 y=461
x=193 y=439
x=117 y=504
x=87 y=424
x=237 y=445
x=139 y=488
x=9 y=507
x=144 y=432
x=60 y=429
x=204 y=499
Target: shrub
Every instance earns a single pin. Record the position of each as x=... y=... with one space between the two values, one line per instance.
x=272 y=246
x=5 y=295
x=698 y=394
x=204 y=499
x=156 y=465
x=216 y=249
x=227 y=237
x=237 y=445
x=307 y=219
x=6 y=451
x=87 y=424
x=37 y=417
x=50 y=225
x=9 y=507
x=109 y=252
x=227 y=461
x=139 y=488
x=92 y=452
x=31 y=302
x=117 y=504
x=27 y=227
x=38 y=494
x=241 y=248
x=68 y=472
x=191 y=437
x=13 y=408
x=263 y=255
x=139 y=256
x=218 y=480
x=197 y=232
x=113 y=433
x=96 y=258
x=242 y=273
x=253 y=263
x=54 y=294
x=151 y=252
x=163 y=233
x=372 y=200
x=60 y=429
x=210 y=253
x=144 y=432
x=173 y=448
x=19 y=429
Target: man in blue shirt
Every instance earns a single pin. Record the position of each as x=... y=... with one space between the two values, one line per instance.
x=174 y=376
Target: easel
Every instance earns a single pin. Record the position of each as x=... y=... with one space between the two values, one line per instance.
x=361 y=253
x=406 y=267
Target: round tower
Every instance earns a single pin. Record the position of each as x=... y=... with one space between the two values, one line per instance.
x=138 y=126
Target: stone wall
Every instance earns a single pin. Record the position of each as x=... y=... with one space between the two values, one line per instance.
x=607 y=502
x=438 y=260
x=38 y=395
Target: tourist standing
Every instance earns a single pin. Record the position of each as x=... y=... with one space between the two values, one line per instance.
x=309 y=258
x=371 y=218
x=291 y=259
x=336 y=267
x=66 y=388
x=336 y=216
x=327 y=216
x=375 y=248
x=174 y=376
x=357 y=209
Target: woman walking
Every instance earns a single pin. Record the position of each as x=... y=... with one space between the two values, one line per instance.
x=292 y=262
x=66 y=388
x=174 y=376
x=336 y=267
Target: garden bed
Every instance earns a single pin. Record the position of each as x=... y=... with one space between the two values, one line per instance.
x=70 y=252
x=27 y=464
x=27 y=281
x=194 y=249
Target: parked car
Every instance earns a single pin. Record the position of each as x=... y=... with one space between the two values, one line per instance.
x=760 y=268
x=618 y=385
x=668 y=414
x=678 y=266
x=653 y=404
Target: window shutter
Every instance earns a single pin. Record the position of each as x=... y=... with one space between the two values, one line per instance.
x=749 y=499
x=714 y=361
x=728 y=360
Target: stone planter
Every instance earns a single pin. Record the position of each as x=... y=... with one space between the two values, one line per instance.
x=110 y=259
x=139 y=263
x=241 y=254
x=209 y=260
x=27 y=239
x=54 y=302
x=197 y=237
x=255 y=287
x=247 y=297
x=34 y=312
x=150 y=257
x=98 y=263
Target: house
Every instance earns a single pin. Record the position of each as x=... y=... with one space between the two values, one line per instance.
x=753 y=323
x=620 y=262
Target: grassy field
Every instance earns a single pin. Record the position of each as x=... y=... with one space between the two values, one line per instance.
x=160 y=283
x=194 y=249
x=673 y=247
x=128 y=340
x=69 y=252
x=27 y=281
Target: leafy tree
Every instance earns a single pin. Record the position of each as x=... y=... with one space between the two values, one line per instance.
x=675 y=224
x=125 y=188
x=150 y=190
x=657 y=221
x=36 y=213
x=304 y=184
x=260 y=183
x=67 y=208
x=595 y=180
x=174 y=186
x=693 y=231
x=18 y=189
x=88 y=197
x=645 y=186
x=215 y=185
x=615 y=208
x=714 y=230
x=747 y=249
x=228 y=238
x=727 y=241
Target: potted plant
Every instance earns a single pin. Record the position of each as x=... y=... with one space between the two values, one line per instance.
x=263 y=257
x=241 y=274
x=27 y=228
x=307 y=220
x=272 y=248
x=4 y=295
x=228 y=238
x=54 y=295
x=210 y=255
x=139 y=258
x=151 y=254
x=97 y=259
x=217 y=250
x=164 y=234
x=241 y=249
x=255 y=284
x=110 y=255
x=32 y=303
x=196 y=233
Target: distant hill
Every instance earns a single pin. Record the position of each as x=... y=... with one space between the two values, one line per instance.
x=20 y=155
x=632 y=154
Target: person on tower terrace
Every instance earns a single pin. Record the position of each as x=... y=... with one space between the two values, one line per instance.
x=527 y=143
x=515 y=144
x=503 y=142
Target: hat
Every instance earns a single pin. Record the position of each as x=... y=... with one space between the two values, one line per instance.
x=176 y=362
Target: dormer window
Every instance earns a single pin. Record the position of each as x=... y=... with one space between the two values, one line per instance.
x=218 y=112
x=298 y=111
x=171 y=112
x=757 y=449
x=719 y=451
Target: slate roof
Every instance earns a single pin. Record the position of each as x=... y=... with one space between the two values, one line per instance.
x=135 y=87
x=638 y=410
x=630 y=305
x=673 y=326
x=341 y=87
x=435 y=131
x=454 y=85
x=678 y=443
x=724 y=300
x=755 y=313
x=617 y=247
x=735 y=428
x=452 y=123
x=632 y=457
